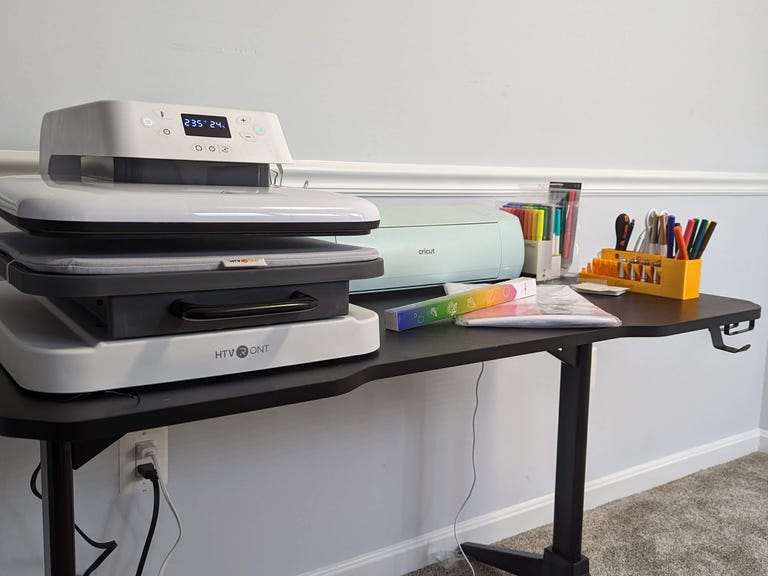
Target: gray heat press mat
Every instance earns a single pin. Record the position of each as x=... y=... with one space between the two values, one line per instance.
x=118 y=256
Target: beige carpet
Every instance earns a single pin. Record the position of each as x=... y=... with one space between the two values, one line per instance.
x=712 y=523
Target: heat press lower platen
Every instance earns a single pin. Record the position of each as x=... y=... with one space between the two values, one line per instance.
x=44 y=352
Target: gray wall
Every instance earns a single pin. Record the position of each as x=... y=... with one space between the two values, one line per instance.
x=656 y=85
x=645 y=85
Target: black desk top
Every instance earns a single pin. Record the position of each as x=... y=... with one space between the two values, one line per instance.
x=104 y=415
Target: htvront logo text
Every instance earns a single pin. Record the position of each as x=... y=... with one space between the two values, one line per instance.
x=240 y=352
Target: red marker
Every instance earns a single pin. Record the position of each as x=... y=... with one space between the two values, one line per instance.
x=688 y=231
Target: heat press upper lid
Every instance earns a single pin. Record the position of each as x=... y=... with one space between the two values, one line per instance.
x=107 y=209
x=124 y=168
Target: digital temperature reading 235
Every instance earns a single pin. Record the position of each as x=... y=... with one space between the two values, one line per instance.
x=200 y=125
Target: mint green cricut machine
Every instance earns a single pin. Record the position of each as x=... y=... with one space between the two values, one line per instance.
x=427 y=245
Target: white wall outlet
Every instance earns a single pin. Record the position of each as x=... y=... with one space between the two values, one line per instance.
x=130 y=481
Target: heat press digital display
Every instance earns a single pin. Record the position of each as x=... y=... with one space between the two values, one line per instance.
x=201 y=125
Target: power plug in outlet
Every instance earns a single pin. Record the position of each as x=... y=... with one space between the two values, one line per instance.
x=129 y=454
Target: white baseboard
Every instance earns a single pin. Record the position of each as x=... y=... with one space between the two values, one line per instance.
x=412 y=554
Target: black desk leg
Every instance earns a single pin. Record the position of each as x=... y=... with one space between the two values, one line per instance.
x=58 y=508
x=564 y=557
x=572 y=459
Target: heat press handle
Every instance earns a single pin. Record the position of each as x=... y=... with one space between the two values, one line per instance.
x=191 y=312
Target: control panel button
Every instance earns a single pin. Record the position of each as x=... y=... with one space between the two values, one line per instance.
x=211 y=148
x=259 y=130
x=198 y=147
x=147 y=121
x=165 y=131
x=162 y=114
x=243 y=120
x=225 y=148
x=247 y=136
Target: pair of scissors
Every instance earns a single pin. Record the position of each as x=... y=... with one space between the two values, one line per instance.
x=649 y=238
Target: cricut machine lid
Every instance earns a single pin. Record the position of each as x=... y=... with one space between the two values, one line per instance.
x=125 y=168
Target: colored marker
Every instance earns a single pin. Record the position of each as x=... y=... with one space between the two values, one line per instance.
x=693 y=235
x=569 y=225
x=693 y=252
x=549 y=222
x=707 y=236
x=540 y=225
x=682 y=249
x=688 y=231
x=525 y=221
x=556 y=232
x=531 y=223
x=670 y=236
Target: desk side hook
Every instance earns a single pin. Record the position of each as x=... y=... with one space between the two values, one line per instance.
x=728 y=329
x=717 y=336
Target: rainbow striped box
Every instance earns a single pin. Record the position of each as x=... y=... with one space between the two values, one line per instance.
x=434 y=309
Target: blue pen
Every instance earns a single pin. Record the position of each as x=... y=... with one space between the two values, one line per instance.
x=670 y=236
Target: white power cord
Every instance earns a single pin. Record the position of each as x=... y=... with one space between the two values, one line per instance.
x=474 y=469
x=173 y=509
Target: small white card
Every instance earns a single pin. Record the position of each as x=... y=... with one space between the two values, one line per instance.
x=593 y=288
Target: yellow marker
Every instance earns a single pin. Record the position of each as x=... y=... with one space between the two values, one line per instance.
x=540 y=225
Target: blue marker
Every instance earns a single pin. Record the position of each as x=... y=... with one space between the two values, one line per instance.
x=557 y=233
x=693 y=253
x=670 y=236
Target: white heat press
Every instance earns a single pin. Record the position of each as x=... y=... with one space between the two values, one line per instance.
x=155 y=250
x=121 y=168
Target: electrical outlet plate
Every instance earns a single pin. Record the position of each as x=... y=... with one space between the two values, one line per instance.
x=130 y=481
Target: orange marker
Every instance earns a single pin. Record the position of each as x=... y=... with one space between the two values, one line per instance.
x=682 y=252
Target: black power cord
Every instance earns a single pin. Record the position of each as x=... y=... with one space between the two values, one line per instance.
x=149 y=472
x=107 y=547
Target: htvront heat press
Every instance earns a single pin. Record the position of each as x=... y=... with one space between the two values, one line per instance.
x=116 y=168
x=154 y=250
